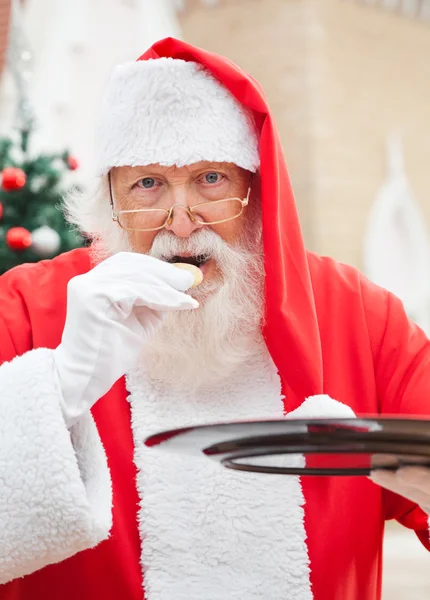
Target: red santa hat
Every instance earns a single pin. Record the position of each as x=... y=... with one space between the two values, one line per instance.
x=172 y=112
x=291 y=328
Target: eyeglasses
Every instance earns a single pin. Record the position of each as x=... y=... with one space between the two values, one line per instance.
x=205 y=213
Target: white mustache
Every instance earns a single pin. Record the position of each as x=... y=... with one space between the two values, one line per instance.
x=205 y=242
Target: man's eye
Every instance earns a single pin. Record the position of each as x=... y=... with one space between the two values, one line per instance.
x=212 y=177
x=146 y=182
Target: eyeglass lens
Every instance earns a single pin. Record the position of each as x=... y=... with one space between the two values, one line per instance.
x=206 y=213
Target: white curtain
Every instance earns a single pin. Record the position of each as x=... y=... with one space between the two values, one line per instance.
x=75 y=45
x=397 y=245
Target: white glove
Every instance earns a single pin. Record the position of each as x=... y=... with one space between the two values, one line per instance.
x=111 y=310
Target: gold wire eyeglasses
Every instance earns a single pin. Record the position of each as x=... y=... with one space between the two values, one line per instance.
x=153 y=219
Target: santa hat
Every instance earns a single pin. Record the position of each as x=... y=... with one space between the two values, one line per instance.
x=172 y=112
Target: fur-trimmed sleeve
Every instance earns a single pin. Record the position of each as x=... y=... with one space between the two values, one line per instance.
x=402 y=366
x=55 y=487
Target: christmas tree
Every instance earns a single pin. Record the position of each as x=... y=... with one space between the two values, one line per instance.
x=32 y=225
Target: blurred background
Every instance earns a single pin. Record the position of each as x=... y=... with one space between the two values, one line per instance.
x=349 y=85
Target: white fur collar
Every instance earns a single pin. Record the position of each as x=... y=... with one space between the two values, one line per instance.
x=207 y=532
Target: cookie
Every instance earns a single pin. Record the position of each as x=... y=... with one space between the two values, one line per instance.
x=195 y=271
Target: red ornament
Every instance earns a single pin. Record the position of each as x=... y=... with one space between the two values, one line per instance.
x=18 y=238
x=13 y=179
x=72 y=163
x=1 y=211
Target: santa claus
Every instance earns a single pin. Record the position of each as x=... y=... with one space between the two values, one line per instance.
x=103 y=346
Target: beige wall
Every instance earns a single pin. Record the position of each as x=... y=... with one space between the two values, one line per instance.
x=339 y=76
x=371 y=76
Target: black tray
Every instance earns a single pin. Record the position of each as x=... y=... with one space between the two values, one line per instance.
x=352 y=446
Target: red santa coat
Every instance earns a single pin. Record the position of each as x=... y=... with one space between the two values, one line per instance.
x=328 y=331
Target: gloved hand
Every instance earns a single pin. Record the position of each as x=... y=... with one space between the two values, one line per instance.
x=412 y=483
x=111 y=311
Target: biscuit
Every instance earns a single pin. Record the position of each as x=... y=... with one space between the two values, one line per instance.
x=195 y=271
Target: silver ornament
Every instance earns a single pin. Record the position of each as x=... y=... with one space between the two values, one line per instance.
x=45 y=241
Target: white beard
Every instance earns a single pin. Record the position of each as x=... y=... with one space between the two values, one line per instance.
x=192 y=349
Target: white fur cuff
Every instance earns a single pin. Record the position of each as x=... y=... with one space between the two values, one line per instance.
x=55 y=495
x=322 y=406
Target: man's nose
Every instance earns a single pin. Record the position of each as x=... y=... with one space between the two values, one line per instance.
x=180 y=222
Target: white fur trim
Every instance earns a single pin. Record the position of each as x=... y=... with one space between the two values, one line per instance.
x=322 y=407
x=208 y=532
x=55 y=497
x=172 y=112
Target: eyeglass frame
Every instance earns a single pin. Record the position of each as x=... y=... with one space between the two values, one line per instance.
x=189 y=209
